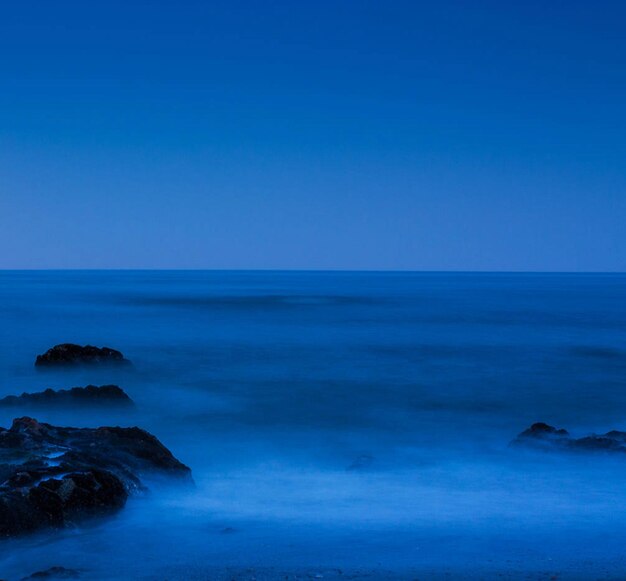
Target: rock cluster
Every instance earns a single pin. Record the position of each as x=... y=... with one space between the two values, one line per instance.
x=52 y=476
x=546 y=437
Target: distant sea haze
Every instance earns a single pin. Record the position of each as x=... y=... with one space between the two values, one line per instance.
x=339 y=421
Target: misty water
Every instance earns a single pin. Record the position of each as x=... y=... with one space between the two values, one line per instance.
x=339 y=424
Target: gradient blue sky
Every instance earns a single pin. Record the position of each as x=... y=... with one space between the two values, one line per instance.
x=323 y=134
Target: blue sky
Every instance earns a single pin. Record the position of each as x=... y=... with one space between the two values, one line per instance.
x=347 y=134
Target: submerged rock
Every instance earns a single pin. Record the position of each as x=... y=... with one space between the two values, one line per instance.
x=70 y=354
x=90 y=395
x=55 y=573
x=546 y=437
x=362 y=462
x=54 y=476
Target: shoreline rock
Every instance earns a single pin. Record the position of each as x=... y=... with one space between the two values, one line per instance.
x=82 y=396
x=51 y=477
x=545 y=437
x=70 y=354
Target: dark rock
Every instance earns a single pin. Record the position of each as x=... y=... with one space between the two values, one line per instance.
x=597 y=352
x=54 y=573
x=362 y=462
x=53 y=476
x=90 y=395
x=541 y=430
x=545 y=437
x=70 y=354
x=617 y=436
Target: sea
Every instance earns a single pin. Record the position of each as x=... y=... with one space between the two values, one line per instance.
x=338 y=425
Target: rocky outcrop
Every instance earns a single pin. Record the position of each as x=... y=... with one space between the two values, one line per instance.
x=69 y=354
x=54 y=476
x=545 y=437
x=76 y=396
x=89 y=395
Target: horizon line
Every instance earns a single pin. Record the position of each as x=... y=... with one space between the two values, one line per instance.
x=318 y=270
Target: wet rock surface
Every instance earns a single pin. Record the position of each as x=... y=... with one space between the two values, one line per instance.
x=90 y=395
x=55 y=476
x=546 y=437
x=69 y=354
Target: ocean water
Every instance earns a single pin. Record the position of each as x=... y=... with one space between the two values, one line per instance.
x=339 y=424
